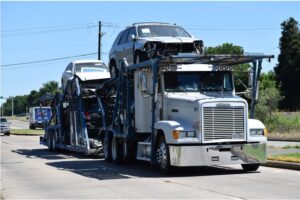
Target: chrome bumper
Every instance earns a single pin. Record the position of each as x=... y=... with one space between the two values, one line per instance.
x=217 y=154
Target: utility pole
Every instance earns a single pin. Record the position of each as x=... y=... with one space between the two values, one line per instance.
x=12 y=106
x=99 y=41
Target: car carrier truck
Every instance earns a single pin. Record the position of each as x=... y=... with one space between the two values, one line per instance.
x=182 y=111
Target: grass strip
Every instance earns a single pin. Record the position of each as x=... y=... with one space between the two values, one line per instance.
x=26 y=132
x=292 y=157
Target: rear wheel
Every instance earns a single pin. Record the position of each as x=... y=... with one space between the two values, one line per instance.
x=114 y=71
x=49 y=141
x=7 y=134
x=115 y=150
x=107 y=147
x=139 y=57
x=163 y=156
x=250 y=167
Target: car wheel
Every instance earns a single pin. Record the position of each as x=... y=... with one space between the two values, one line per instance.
x=250 y=167
x=139 y=57
x=114 y=71
x=7 y=134
x=163 y=156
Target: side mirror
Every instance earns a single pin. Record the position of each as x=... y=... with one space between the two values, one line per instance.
x=142 y=83
x=133 y=37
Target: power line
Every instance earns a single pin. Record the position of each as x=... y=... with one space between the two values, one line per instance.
x=48 y=60
x=45 y=27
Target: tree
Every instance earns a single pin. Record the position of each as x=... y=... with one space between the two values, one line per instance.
x=21 y=103
x=240 y=71
x=288 y=69
x=269 y=97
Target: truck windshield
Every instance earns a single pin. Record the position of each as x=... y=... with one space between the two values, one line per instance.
x=91 y=67
x=161 y=31
x=197 y=81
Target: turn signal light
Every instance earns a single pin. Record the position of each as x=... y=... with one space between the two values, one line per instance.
x=176 y=134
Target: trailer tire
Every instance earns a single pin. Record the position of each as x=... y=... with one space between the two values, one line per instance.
x=250 y=167
x=163 y=156
x=125 y=151
x=107 y=147
x=49 y=141
x=115 y=150
x=53 y=142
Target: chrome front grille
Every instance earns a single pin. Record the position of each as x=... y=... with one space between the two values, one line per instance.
x=223 y=123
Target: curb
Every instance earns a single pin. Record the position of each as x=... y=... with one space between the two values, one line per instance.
x=284 y=140
x=281 y=164
x=24 y=134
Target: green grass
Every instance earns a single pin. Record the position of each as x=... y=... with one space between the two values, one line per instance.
x=291 y=147
x=26 y=132
x=292 y=157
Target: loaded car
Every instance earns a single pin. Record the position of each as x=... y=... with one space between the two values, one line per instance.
x=86 y=70
x=4 y=126
x=143 y=41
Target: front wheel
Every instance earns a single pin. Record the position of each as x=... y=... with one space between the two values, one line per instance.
x=7 y=134
x=250 y=167
x=163 y=156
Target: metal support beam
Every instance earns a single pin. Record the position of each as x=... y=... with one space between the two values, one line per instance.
x=154 y=102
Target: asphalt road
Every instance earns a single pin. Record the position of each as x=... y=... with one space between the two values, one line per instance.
x=16 y=124
x=29 y=170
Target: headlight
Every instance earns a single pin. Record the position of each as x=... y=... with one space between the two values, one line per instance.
x=183 y=134
x=256 y=132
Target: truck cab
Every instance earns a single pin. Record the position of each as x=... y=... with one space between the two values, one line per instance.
x=200 y=119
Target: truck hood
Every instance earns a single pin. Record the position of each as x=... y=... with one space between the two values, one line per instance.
x=190 y=99
x=170 y=39
x=87 y=76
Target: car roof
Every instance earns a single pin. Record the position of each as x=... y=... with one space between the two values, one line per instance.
x=151 y=23
x=87 y=61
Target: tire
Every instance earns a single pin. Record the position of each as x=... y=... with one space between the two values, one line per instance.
x=139 y=57
x=7 y=134
x=53 y=141
x=163 y=156
x=107 y=147
x=125 y=151
x=250 y=167
x=115 y=150
x=31 y=126
x=114 y=71
x=49 y=141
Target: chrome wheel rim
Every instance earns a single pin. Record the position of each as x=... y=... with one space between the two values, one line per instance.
x=162 y=155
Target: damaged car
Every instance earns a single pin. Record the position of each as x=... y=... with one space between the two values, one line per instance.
x=143 y=41
x=86 y=70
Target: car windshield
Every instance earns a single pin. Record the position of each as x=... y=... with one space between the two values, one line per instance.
x=198 y=81
x=3 y=120
x=161 y=31
x=91 y=67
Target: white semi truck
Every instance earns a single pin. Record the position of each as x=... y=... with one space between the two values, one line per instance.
x=182 y=111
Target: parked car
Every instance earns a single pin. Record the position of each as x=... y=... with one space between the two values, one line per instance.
x=4 y=126
x=143 y=41
x=85 y=70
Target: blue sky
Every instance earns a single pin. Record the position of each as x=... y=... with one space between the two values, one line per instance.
x=32 y=31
